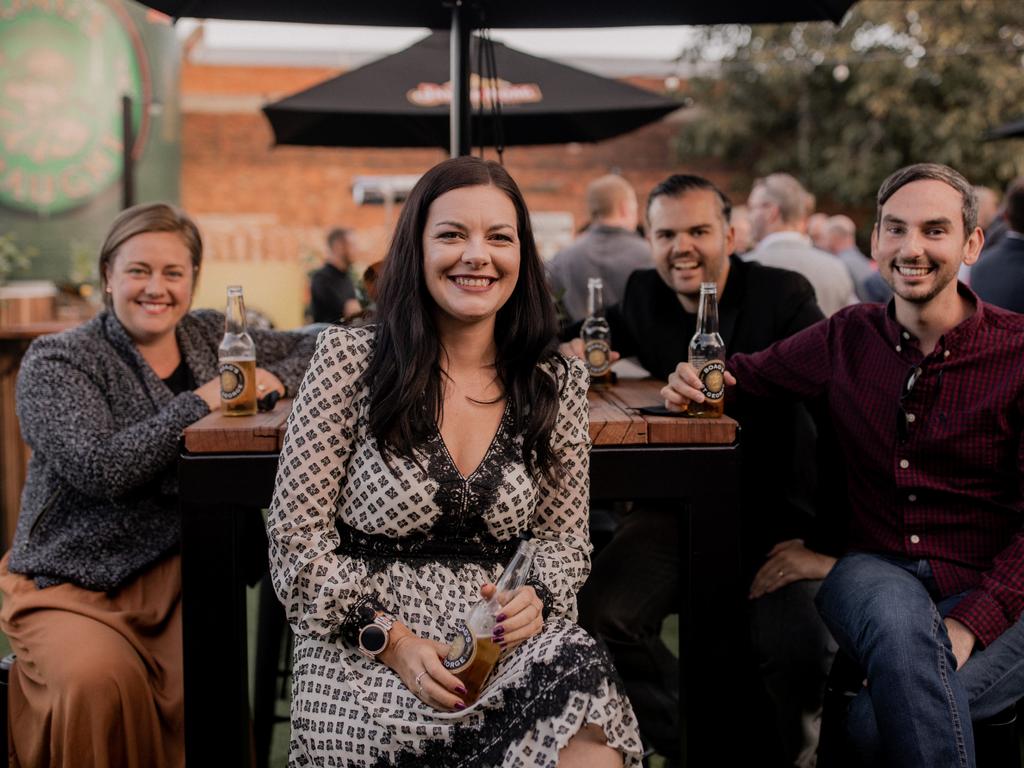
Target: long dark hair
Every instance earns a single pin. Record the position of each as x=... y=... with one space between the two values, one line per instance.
x=405 y=376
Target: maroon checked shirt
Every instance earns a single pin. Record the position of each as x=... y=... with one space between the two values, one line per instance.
x=936 y=469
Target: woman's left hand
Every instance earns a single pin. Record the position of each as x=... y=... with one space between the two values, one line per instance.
x=789 y=561
x=521 y=617
x=266 y=382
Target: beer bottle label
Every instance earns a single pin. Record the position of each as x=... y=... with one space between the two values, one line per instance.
x=712 y=378
x=232 y=381
x=462 y=650
x=599 y=358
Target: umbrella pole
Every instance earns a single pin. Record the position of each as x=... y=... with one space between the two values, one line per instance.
x=459 y=116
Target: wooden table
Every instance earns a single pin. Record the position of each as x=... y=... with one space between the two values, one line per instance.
x=227 y=467
x=14 y=342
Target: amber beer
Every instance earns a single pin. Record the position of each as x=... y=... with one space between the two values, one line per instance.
x=237 y=360
x=597 y=336
x=472 y=653
x=707 y=356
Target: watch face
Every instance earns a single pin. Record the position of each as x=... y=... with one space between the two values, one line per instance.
x=373 y=638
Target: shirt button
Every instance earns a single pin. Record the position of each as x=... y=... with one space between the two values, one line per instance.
x=946 y=353
x=899 y=348
x=911 y=418
x=906 y=335
x=904 y=463
x=912 y=497
x=915 y=539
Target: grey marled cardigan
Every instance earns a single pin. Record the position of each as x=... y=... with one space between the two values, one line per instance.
x=100 y=501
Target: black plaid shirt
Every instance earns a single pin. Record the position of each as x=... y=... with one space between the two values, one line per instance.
x=934 y=473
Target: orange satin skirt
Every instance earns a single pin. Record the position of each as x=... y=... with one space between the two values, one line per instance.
x=98 y=679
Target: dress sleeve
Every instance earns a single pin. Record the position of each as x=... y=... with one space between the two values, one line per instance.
x=561 y=522
x=285 y=354
x=320 y=588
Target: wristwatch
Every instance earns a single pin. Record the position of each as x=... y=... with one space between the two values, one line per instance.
x=373 y=638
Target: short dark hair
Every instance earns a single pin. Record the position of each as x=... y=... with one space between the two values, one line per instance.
x=338 y=233
x=1013 y=204
x=148 y=217
x=405 y=377
x=931 y=172
x=679 y=184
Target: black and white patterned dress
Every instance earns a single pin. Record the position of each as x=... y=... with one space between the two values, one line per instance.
x=344 y=529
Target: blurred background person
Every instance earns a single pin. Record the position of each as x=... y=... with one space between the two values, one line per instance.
x=817 y=228
x=609 y=248
x=998 y=276
x=331 y=292
x=991 y=221
x=742 y=241
x=92 y=585
x=778 y=206
x=841 y=241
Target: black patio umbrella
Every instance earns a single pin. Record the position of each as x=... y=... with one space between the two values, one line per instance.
x=402 y=100
x=463 y=15
x=1011 y=130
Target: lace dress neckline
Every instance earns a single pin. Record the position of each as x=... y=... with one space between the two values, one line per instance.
x=502 y=423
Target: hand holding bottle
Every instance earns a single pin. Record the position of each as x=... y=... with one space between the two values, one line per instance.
x=521 y=616
x=417 y=661
x=505 y=608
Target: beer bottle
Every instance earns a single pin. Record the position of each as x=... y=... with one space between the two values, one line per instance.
x=472 y=653
x=707 y=355
x=597 y=336
x=237 y=357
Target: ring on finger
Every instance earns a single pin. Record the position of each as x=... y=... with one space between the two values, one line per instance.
x=419 y=681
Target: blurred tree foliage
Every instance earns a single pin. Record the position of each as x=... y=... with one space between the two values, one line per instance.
x=842 y=107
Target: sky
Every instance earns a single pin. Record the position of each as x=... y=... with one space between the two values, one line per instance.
x=659 y=43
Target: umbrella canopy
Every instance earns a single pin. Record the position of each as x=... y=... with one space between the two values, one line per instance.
x=403 y=100
x=511 y=14
x=463 y=15
x=1014 y=130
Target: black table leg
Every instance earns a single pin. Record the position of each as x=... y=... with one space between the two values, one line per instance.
x=703 y=479
x=218 y=496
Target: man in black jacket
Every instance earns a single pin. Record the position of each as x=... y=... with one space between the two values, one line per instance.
x=635 y=580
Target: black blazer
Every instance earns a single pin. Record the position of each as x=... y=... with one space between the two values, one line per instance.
x=759 y=306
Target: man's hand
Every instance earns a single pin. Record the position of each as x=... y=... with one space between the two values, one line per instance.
x=684 y=387
x=789 y=561
x=962 y=640
x=575 y=348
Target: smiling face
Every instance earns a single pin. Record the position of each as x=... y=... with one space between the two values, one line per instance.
x=470 y=254
x=150 y=282
x=690 y=241
x=920 y=243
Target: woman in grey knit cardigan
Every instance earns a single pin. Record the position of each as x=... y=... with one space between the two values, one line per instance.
x=91 y=587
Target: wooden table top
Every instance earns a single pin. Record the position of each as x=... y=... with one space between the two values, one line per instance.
x=34 y=330
x=614 y=420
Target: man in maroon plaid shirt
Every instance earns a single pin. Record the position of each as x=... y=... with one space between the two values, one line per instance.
x=927 y=396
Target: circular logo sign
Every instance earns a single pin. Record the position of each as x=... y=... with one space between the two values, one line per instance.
x=64 y=66
x=232 y=381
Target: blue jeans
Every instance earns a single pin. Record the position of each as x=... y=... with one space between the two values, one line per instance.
x=917 y=708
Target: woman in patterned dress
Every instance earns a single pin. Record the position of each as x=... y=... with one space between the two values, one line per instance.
x=419 y=450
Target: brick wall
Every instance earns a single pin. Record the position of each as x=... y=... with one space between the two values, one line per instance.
x=261 y=203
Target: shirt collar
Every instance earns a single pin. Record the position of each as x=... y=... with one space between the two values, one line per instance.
x=898 y=335
x=787 y=236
